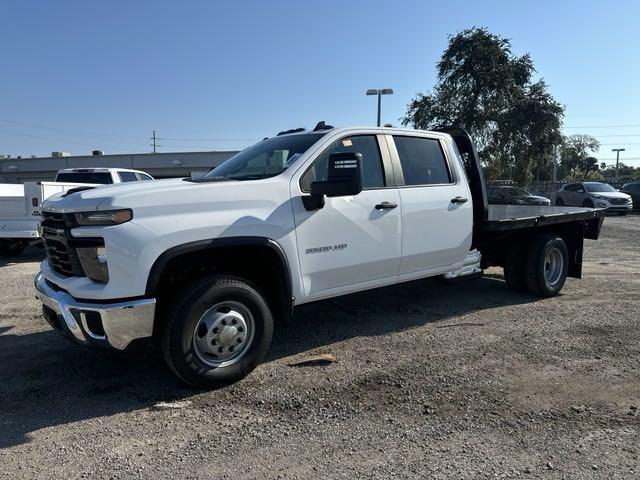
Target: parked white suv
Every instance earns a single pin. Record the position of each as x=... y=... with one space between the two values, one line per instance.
x=207 y=267
x=594 y=195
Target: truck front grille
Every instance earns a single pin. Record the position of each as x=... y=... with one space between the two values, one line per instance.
x=61 y=254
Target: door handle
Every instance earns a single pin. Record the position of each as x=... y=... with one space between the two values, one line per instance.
x=386 y=206
x=459 y=200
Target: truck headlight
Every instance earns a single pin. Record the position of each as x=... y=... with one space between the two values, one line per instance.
x=108 y=217
x=94 y=263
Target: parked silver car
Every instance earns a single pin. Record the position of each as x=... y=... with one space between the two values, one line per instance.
x=594 y=195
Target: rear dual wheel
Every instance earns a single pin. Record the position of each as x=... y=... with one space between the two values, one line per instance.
x=540 y=268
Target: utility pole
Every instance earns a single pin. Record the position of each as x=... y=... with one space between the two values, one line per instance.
x=379 y=92
x=153 y=138
x=617 y=150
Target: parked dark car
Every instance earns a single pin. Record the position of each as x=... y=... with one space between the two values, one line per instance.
x=633 y=189
x=514 y=196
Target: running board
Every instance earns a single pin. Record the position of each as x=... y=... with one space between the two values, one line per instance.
x=470 y=266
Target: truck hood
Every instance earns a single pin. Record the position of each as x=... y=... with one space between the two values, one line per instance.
x=168 y=194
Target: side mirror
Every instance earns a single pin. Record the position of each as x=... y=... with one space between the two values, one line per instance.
x=344 y=178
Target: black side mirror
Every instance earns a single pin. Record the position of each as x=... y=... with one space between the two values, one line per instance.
x=344 y=178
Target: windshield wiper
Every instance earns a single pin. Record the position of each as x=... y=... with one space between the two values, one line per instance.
x=254 y=176
x=206 y=179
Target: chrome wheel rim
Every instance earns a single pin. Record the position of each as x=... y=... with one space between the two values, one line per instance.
x=553 y=266
x=223 y=334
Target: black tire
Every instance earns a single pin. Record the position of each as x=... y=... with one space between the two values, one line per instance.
x=588 y=203
x=12 y=247
x=536 y=280
x=559 y=202
x=177 y=340
x=514 y=269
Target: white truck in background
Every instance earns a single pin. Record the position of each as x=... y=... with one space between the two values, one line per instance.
x=20 y=203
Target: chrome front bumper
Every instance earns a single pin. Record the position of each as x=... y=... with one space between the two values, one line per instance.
x=113 y=325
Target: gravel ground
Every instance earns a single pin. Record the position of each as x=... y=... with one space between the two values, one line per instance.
x=431 y=381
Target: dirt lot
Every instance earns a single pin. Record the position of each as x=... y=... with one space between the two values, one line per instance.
x=432 y=381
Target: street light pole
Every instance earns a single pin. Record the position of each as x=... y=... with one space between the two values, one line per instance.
x=379 y=92
x=617 y=150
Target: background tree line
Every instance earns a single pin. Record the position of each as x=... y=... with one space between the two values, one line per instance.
x=515 y=122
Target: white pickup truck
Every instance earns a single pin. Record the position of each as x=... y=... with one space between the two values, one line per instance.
x=207 y=267
x=20 y=204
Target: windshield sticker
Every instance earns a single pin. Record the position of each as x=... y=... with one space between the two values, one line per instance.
x=347 y=142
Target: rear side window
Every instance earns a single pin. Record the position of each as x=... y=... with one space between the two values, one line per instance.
x=101 y=178
x=127 y=176
x=367 y=145
x=422 y=161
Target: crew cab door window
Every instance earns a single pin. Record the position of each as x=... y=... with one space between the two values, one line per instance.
x=436 y=232
x=372 y=170
x=422 y=161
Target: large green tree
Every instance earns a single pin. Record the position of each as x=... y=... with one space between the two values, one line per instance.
x=576 y=155
x=487 y=90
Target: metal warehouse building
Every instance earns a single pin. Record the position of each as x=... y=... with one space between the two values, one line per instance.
x=159 y=165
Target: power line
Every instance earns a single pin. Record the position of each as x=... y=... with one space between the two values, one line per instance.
x=178 y=139
x=615 y=135
x=605 y=126
x=72 y=132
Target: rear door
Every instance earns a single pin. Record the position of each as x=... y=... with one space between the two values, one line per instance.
x=353 y=239
x=569 y=195
x=437 y=213
x=579 y=194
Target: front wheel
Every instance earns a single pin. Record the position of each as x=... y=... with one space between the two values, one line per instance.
x=588 y=204
x=560 y=202
x=217 y=332
x=547 y=266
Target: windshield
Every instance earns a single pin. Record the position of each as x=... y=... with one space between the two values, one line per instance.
x=101 y=178
x=267 y=158
x=598 y=187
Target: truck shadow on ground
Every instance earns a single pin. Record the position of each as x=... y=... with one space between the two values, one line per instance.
x=30 y=255
x=45 y=381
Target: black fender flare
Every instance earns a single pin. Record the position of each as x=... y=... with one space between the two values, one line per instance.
x=163 y=260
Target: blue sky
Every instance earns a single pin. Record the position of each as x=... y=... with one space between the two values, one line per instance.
x=78 y=75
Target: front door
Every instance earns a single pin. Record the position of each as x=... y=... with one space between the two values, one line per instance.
x=353 y=239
